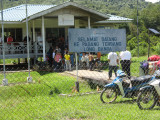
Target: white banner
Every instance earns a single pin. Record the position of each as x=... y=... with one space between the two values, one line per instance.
x=66 y=19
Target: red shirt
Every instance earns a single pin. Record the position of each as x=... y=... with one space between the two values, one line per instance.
x=57 y=57
x=9 y=40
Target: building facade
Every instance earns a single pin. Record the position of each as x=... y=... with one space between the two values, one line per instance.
x=48 y=27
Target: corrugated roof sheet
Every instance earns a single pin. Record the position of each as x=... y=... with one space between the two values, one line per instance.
x=154 y=31
x=114 y=17
x=18 y=13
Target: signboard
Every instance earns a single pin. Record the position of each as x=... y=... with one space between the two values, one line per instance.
x=65 y=19
x=97 y=40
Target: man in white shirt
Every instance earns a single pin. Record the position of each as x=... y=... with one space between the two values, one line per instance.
x=113 y=62
x=126 y=62
x=39 y=39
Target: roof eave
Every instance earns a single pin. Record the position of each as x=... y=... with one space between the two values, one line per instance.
x=62 y=6
x=114 y=21
x=11 y=22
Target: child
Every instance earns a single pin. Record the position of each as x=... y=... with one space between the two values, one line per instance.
x=58 y=59
x=67 y=61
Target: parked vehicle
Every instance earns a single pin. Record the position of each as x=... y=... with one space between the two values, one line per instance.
x=149 y=95
x=46 y=66
x=126 y=89
x=42 y=66
x=59 y=66
x=97 y=64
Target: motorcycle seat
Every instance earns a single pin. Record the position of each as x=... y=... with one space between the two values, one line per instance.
x=140 y=80
x=125 y=84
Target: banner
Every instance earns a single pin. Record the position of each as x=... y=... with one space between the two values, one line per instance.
x=96 y=40
x=66 y=20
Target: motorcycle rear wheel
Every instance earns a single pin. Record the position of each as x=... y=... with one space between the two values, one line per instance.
x=146 y=100
x=108 y=95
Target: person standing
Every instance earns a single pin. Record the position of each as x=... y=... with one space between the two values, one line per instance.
x=39 y=39
x=113 y=62
x=9 y=39
x=72 y=58
x=67 y=61
x=91 y=61
x=126 y=62
x=53 y=57
x=87 y=60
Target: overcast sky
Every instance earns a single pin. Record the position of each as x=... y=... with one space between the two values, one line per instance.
x=153 y=1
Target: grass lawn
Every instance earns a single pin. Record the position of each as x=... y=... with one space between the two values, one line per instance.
x=33 y=101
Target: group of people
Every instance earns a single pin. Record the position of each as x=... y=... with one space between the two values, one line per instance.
x=89 y=61
x=55 y=57
x=125 y=61
x=58 y=57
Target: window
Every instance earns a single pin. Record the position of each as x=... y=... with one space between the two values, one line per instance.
x=15 y=32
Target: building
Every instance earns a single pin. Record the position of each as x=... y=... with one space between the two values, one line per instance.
x=48 y=26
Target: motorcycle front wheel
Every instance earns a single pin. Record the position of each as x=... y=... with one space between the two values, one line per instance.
x=146 y=100
x=108 y=95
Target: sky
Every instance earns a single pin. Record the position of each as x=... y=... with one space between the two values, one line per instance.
x=153 y=1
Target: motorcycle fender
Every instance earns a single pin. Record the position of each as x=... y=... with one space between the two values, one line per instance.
x=145 y=88
x=110 y=85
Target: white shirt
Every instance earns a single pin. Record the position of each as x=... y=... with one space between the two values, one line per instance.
x=39 y=40
x=125 y=55
x=83 y=59
x=53 y=54
x=112 y=56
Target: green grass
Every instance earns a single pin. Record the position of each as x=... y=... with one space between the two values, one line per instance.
x=9 y=61
x=33 y=101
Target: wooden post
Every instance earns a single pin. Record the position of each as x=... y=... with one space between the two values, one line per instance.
x=77 y=86
x=77 y=83
x=89 y=22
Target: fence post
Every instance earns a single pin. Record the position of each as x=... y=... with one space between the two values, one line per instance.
x=4 y=81
x=77 y=83
x=29 y=78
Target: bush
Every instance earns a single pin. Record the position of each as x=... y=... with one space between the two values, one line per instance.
x=157 y=48
x=134 y=52
x=142 y=51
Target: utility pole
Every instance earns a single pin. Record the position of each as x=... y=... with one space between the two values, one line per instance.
x=137 y=29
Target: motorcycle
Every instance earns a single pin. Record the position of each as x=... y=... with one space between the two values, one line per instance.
x=149 y=95
x=42 y=66
x=119 y=86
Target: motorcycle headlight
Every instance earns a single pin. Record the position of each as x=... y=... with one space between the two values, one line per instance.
x=121 y=73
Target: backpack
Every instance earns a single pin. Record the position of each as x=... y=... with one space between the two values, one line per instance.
x=144 y=65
